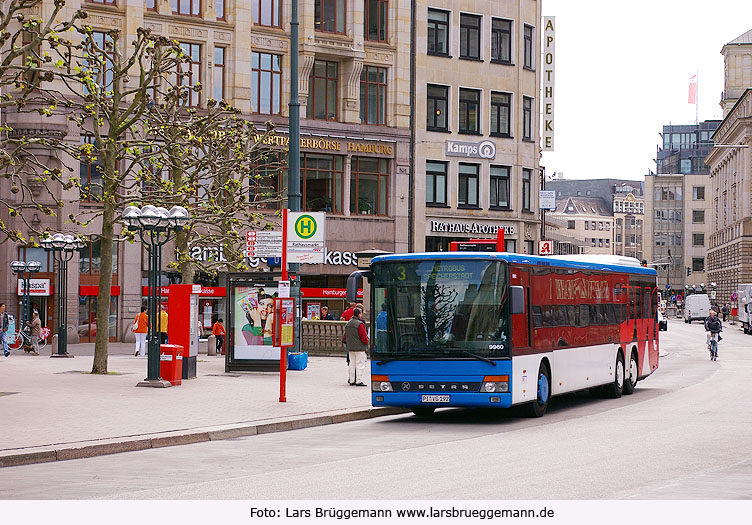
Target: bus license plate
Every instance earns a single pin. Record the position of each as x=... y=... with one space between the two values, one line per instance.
x=434 y=399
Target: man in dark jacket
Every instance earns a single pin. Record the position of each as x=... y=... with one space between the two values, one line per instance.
x=356 y=339
x=4 y=325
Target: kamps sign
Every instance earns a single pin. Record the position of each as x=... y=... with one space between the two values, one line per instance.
x=485 y=149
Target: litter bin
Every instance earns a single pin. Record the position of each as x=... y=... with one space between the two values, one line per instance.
x=171 y=363
x=297 y=360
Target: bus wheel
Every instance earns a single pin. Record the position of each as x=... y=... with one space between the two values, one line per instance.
x=631 y=382
x=423 y=411
x=538 y=407
x=614 y=389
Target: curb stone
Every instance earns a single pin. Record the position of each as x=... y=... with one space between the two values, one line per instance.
x=64 y=454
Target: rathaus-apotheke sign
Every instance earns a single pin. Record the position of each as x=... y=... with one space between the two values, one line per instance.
x=470 y=227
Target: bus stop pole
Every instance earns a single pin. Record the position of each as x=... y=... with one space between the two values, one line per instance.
x=282 y=349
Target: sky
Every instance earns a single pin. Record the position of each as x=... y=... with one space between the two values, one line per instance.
x=623 y=71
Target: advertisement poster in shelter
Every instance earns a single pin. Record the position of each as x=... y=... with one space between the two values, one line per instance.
x=253 y=322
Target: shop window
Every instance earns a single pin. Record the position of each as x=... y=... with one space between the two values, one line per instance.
x=266 y=83
x=369 y=181
x=436 y=183
x=373 y=95
x=267 y=12
x=375 y=20
x=329 y=16
x=323 y=177
x=323 y=83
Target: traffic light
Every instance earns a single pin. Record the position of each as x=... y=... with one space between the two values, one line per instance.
x=689 y=271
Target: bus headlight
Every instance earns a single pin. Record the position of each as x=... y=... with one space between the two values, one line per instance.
x=380 y=384
x=493 y=384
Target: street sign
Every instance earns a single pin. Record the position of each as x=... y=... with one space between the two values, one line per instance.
x=546 y=248
x=734 y=296
x=283 y=289
x=547 y=200
x=306 y=237
x=712 y=294
x=264 y=244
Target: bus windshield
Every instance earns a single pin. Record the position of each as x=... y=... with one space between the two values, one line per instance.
x=440 y=308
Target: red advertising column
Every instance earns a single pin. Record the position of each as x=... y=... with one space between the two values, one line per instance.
x=183 y=323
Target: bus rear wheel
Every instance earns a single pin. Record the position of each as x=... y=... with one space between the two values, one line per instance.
x=543 y=393
x=615 y=389
x=631 y=382
x=423 y=411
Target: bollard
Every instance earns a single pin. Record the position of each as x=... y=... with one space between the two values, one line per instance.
x=212 y=345
x=53 y=345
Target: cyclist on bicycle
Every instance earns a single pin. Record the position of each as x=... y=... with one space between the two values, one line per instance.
x=713 y=325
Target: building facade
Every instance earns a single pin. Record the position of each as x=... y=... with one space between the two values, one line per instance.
x=587 y=220
x=476 y=123
x=354 y=84
x=677 y=209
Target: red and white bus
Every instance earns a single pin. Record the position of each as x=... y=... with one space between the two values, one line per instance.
x=501 y=329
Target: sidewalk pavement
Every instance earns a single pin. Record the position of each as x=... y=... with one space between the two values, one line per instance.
x=54 y=409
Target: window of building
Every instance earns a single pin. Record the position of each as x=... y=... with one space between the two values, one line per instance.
x=529 y=48
x=191 y=73
x=698 y=264
x=470 y=36
x=437 y=107
x=267 y=12
x=510 y=245
x=685 y=166
x=266 y=83
x=322 y=99
x=369 y=181
x=501 y=41
x=438 y=32
x=219 y=9
x=500 y=187
x=587 y=225
x=570 y=225
x=323 y=177
x=219 y=73
x=436 y=179
x=618 y=237
x=592 y=225
x=527 y=175
x=329 y=16
x=373 y=95
x=527 y=118
x=151 y=5
x=91 y=171
x=600 y=243
x=698 y=216
x=501 y=106
x=600 y=225
x=104 y=43
x=105 y=2
x=469 y=111
x=90 y=259
x=698 y=239
x=268 y=182
x=467 y=194
x=37 y=254
x=186 y=7
x=698 y=193
x=530 y=247
x=375 y=22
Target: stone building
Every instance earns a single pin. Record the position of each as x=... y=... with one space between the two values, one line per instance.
x=587 y=220
x=355 y=134
x=476 y=122
x=677 y=207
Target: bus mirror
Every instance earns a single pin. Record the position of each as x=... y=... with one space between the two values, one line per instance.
x=516 y=300
x=353 y=283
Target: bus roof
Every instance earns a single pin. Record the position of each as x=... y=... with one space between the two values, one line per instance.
x=586 y=263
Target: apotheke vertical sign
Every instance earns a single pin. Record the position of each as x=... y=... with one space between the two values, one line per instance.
x=549 y=57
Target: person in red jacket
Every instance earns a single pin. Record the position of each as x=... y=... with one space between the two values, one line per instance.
x=356 y=338
x=140 y=327
x=347 y=314
x=218 y=331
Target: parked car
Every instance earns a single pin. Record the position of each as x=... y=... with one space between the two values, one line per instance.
x=662 y=322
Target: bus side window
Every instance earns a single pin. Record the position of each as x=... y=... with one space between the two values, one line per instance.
x=594 y=320
x=560 y=315
x=547 y=316
x=612 y=313
x=573 y=315
x=584 y=315
x=537 y=316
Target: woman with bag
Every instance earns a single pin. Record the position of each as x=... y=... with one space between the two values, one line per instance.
x=140 y=327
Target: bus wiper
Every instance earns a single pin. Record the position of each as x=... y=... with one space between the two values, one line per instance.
x=474 y=356
x=404 y=357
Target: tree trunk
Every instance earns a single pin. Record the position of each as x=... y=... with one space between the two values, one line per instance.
x=105 y=282
x=187 y=271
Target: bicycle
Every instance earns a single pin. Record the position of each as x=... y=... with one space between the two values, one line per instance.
x=22 y=338
x=713 y=346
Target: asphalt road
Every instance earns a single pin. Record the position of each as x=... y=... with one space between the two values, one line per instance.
x=686 y=433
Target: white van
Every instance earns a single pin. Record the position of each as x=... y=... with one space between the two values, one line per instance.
x=696 y=306
x=745 y=303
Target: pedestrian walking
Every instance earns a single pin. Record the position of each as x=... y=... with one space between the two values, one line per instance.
x=325 y=315
x=356 y=339
x=35 y=330
x=218 y=331
x=4 y=325
x=347 y=314
x=725 y=311
x=140 y=327
x=162 y=326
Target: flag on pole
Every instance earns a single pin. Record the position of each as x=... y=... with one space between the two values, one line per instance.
x=693 y=90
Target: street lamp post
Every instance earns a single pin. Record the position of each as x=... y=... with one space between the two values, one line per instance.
x=63 y=247
x=20 y=268
x=154 y=225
